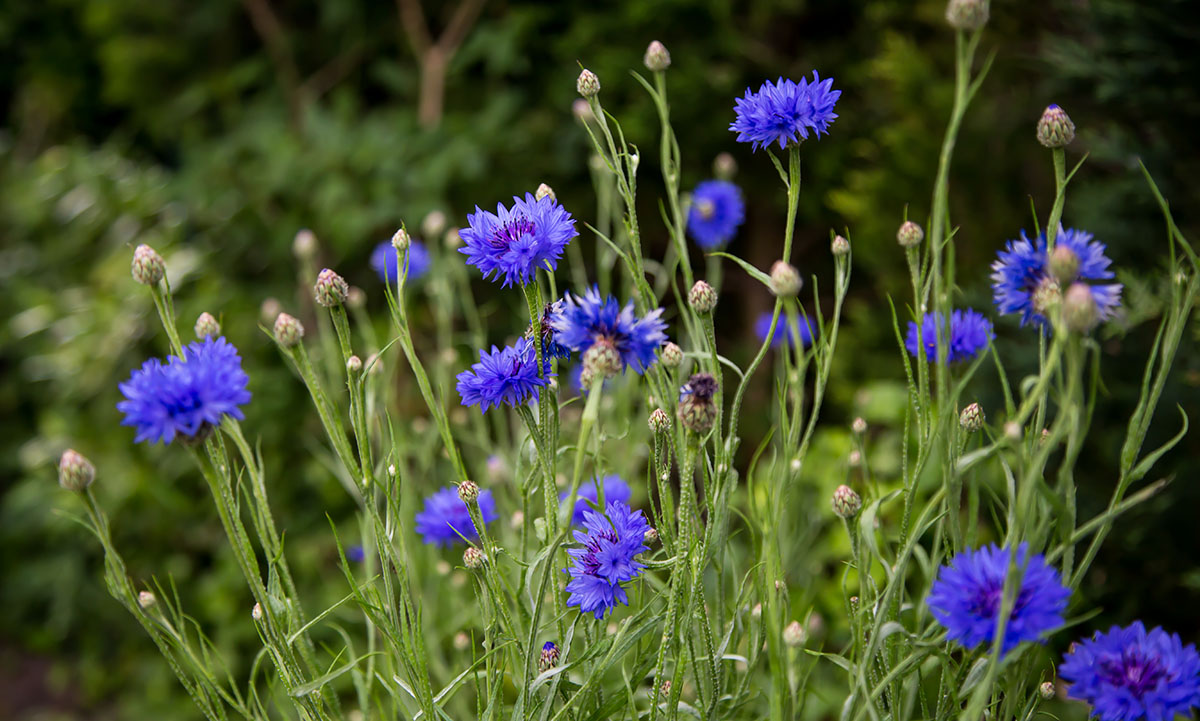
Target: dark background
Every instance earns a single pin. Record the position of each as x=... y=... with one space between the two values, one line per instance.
x=215 y=130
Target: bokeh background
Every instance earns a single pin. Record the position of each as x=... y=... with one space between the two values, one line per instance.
x=215 y=130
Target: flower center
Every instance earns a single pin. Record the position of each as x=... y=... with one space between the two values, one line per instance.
x=512 y=231
x=1132 y=671
x=706 y=209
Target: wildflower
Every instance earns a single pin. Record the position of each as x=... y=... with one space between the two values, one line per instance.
x=1080 y=312
x=288 y=331
x=1130 y=674
x=615 y=489
x=970 y=332
x=839 y=246
x=549 y=657
x=550 y=347
x=473 y=558
x=859 y=426
x=1046 y=690
x=146 y=599
x=1022 y=267
x=794 y=635
x=75 y=471
x=514 y=244
x=545 y=191
x=1054 y=128
x=148 y=267
x=330 y=289
x=582 y=321
x=356 y=553
x=186 y=395
x=207 y=325
x=354 y=366
x=468 y=492
x=967 y=14
x=445 y=519
x=659 y=421
x=611 y=541
x=656 y=58
x=910 y=235
x=384 y=261
x=971 y=419
x=846 y=503
x=783 y=112
x=805 y=328
x=785 y=280
x=696 y=408
x=967 y=594
x=671 y=355
x=506 y=376
x=587 y=84
x=702 y=297
x=716 y=213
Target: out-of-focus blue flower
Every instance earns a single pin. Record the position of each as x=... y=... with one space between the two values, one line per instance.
x=805 y=327
x=1131 y=674
x=1021 y=268
x=355 y=553
x=716 y=213
x=507 y=375
x=513 y=244
x=611 y=541
x=581 y=321
x=586 y=498
x=383 y=260
x=970 y=332
x=966 y=597
x=784 y=111
x=185 y=394
x=445 y=520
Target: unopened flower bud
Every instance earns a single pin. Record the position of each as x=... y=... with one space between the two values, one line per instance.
x=288 y=330
x=1064 y=264
x=659 y=421
x=793 y=634
x=473 y=558
x=785 y=280
x=1046 y=296
x=582 y=110
x=967 y=14
x=910 y=235
x=724 y=166
x=657 y=58
x=545 y=191
x=1046 y=690
x=846 y=503
x=75 y=471
x=859 y=426
x=1080 y=312
x=468 y=492
x=434 y=224
x=206 y=326
x=452 y=239
x=697 y=411
x=461 y=641
x=356 y=298
x=354 y=366
x=971 y=419
x=1012 y=431
x=304 y=245
x=671 y=355
x=549 y=657
x=148 y=266
x=756 y=612
x=1055 y=129
x=588 y=84
x=855 y=458
x=601 y=360
x=650 y=537
x=702 y=297
x=256 y=613
x=839 y=246
x=146 y=599
x=330 y=289
x=269 y=310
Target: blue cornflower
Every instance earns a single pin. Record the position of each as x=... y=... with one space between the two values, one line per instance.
x=186 y=394
x=966 y=597
x=1129 y=674
x=805 y=327
x=1021 y=268
x=445 y=520
x=383 y=260
x=970 y=332
x=356 y=553
x=610 y=542
x=514 y=244
x=615 y=489
x=783 y=112
x=550 y=347
x=507 y=375
x=581 y=321
x=716 y=213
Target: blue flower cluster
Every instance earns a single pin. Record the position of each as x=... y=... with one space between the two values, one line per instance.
x=506 y=376
x=1021 y=268
x=970 y=332
x=445 y=519
x=785 y=111
x=512 y=244
x=185 y=395
x=805 y=328
x=586 y=498
x=581 y=321
x=716 y=213
x=1131 y=674
x=966 y=597
x=611 y=541
x=383 y=261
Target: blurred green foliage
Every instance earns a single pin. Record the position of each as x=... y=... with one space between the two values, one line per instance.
x=181 y=125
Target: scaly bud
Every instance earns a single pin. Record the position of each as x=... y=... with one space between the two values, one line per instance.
x=545 y=191
x=910 y=235
x=971 y=419
x=473 y=558
x=206 y=326
x=657 y=58
x=785 y=280
x=468 y=492
x=288 y=331
x=1080 y=312
x=696 y=408
x=256 y=613
x=671 y=355
x=549 y=657
x=601 y=360
x=1046 y=690
x=846 y=503
x=839 y=246
x=588 y=84
x=1055 y=129
x=967 y=14
x=793 y=634
x=354 y=366
x=650 y=537
x=330 y=289
x=401 y=241
x=148 y=266
x=1064 y=264
x=702 y=298
x=659 y=421
x=75 y=471
x=146 y=599
x=859 y=426
x=1046 y=296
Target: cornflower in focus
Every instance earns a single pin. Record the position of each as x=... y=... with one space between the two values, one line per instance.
x=512 y=244
x=582 y=322
x=506 y=376
x=970 y=332
x=611 y=541
x=445 y=519
x=785 y=111
x=716 y=213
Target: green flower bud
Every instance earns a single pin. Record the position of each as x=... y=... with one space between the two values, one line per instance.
x=148 y=266
x=785 y=280
x=910 y=235
x=702 y=298
x=331 y=289
x=75 y=471
x=1055 y=129
x=288 y=331
x=206 y=326
x=846 y=503
x=657 y=58
x=588 y=84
